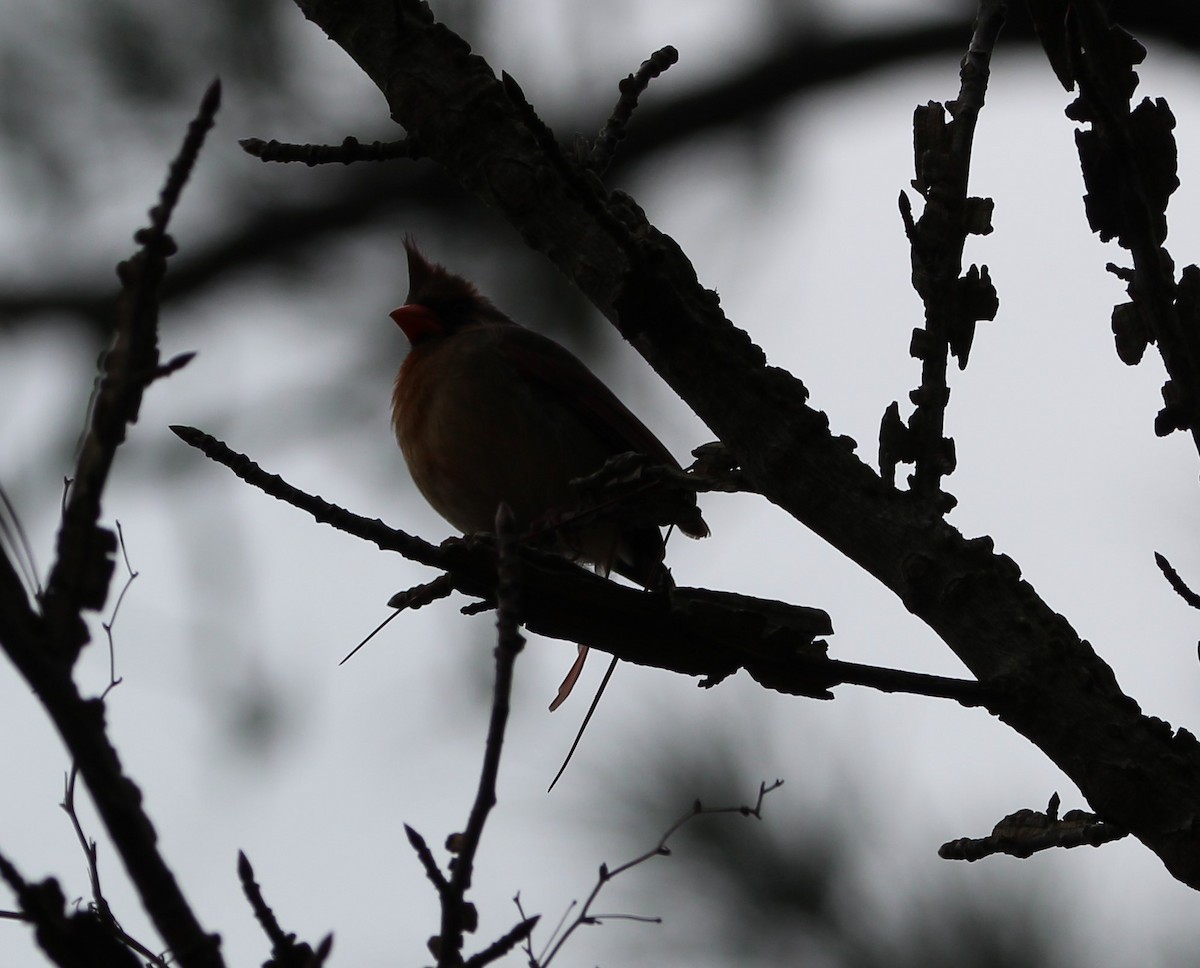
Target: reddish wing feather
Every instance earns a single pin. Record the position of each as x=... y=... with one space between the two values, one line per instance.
x=542 y=361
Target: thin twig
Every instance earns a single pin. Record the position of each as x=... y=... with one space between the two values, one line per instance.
x=88 y=845
x=262 y=911
x=348 y=152
x=1176 y=582
x=387 y=538
x=425 y=855
x=286 y=951
x=660 y=849
x=527 y=947
x=370 y=635
x=82 y=938
x=130 y=576
x=498 y=949
x=421 y=595
x=631 y=89
x=509 y=643
x=99 y=904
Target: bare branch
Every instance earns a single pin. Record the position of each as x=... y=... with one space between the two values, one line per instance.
x=425 y=855
x=1130 y=168
x=77 y=940
x=348 y=152
x=1026 y=832
x=498 y=949
x=509 y=643
x=953 y=302
x=458 y=914
x=1176 y=582
x=631 y=89
x=421 y=595
x=44 y=646
x=286 y=952
x=83 y=565
x=692 y=630
x=660 y=849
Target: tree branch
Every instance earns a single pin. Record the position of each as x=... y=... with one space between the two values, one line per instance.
x=286 y=951
x=44 y=644
x=953 y=302
x=738 y=100
x=1026 y=832
x=585 y=916
x=693 y=631
x=1129 y=161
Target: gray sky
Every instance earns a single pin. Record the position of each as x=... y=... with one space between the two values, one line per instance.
x=242 y=604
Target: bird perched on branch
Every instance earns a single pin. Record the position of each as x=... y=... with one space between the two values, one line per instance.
x=486 y=411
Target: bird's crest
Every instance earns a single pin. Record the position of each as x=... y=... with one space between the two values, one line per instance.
x=456 y=301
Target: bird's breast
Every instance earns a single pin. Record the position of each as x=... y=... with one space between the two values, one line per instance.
x=475 y=433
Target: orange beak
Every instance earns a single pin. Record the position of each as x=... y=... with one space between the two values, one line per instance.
x=417 y=322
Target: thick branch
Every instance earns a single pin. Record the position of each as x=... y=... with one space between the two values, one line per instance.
x=693 y=631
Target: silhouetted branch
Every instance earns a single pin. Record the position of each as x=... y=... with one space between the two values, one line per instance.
x=692 y=631
x=605 y=147
x=348 y=152
x=425 y=856
x=1130 y=168
x=498 y=949
x=509 y=643
x=953 y=302
x=1176 y=582
x=78 y=940
x=43 y=639
x=421 y=595
x=660 y=849
x=83 y=564
x=286 y=952
x=458 y=914
x=1026 y=832
x=740 y=99
x=416 y=597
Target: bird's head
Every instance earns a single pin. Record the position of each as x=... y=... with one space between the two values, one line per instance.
x=440 y=303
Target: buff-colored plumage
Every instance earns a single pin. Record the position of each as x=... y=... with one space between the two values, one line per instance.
x=487 y=411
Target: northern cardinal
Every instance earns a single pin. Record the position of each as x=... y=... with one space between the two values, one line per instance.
x=486 y=411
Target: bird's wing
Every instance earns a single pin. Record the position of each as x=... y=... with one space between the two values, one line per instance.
x=561 y=374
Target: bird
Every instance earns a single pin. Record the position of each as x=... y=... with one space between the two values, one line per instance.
x=486 y=411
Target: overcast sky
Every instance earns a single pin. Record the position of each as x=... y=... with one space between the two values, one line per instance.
x=242 y=607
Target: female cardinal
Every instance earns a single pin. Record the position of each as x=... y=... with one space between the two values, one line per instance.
x=486 y=411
